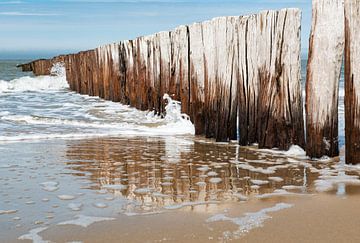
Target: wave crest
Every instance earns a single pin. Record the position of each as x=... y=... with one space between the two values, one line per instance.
x=57 y=81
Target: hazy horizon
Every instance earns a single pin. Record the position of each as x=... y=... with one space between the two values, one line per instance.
x=41 y=29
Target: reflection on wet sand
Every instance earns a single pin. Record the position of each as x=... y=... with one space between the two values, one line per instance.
x=86 y=181
x=170 y=173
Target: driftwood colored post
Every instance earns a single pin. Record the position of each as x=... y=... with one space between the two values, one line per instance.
x=180 y=66
x=323 y=73
x=197 y=77
x=248 y=81
x=280 y=115
x=213 y=77
x=352 y=81
x=226 y=61
x=270 y=105
x=222 y=70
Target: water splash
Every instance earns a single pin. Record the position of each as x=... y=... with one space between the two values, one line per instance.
x=57 y=81
x=58 y=69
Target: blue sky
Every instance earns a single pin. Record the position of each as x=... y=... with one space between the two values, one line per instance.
x=41 y=28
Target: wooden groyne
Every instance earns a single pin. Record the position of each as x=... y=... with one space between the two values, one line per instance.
x=352 y=81
x=326 y=49
x=335 y=30
x=231 y=74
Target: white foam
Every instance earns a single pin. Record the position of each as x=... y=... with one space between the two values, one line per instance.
x=294 y=151
x=143 y=190
x=131 y=122
x=329 y=179
x=250 y=220
x=85 y=221
x=75 y=206
x=188 y=204
x=292 y=187
x=34 y=235
x=278 y=193
x=215 y=180
x=100 y=205
x=266 y=171
x=50 y=186
x=203 y=168
x=275 y=178
x=38 y=84
x=212 y=173
x=114 y=186
x=240 y=196
x=11 y=211
x=66 y=197
x=259 y=182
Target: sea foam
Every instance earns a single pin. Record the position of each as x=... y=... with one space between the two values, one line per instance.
x=37 y=108
x=56 y=81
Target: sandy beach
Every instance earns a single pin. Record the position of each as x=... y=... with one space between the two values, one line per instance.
x=317 y=218
x=140 y=189
x=179 y=121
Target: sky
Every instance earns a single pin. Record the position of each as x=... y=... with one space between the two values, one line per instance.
x=44 y=28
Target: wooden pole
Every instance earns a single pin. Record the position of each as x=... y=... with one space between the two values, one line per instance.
x=280 y=112
x=326 y=49
x=352 y=81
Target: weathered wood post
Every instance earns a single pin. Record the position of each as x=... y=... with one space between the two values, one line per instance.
x=352 y=81
x=197 y=76
x=280 y=112
x=180 y=66
x=326 y=49
x=248 y=86
x=270 y=104
x=226 y=61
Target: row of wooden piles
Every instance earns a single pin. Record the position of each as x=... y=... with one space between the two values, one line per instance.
x=219 y=70
x=238 y=75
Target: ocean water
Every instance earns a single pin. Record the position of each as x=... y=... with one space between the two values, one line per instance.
x=35 y=108
x=70 y=159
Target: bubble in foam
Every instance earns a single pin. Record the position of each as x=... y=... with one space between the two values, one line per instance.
x=276 y=178
x=50 y=186
x=215 y=180
x=212 y=173
x=249 y=221
x=34 y=236
x=114 y=187
x=143 y=190
x=66 y=197
x=85 y=221
x=75 y=206
x=11 y=211
x=100 y=205
x=259 y=182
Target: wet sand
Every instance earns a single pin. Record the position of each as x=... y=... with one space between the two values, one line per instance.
x=177 y=189
x=318 y=218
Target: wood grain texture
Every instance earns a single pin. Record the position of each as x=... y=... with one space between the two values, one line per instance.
x=326 y=49
x=280 y=106
x=352 y=81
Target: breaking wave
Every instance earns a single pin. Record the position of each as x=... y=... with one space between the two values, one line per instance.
x=36 y=108
x=56 y=81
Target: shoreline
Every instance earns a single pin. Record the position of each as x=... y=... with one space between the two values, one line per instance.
x=303 y=222
x=188 y=180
